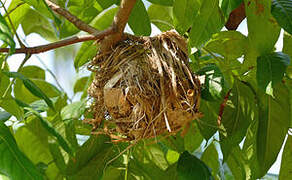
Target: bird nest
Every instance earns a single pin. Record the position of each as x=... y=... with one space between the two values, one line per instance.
x=144 y=88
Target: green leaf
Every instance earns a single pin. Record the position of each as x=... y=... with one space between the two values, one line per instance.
x=86 y=12
x=106 y=3
x=52 y=131
x=184 y=12
x=213 y=86
x=13 y=162
x=74 y=110
x=208 y=123
x=90 y=159
x=237 y=164
x=230 y=44
x=35 y=90
x=18 y=14
x=228 y=6
x=161 y=17
x=274 y=118
x=162 y=2
x=10 y=106
x=139 y=20
x=271 y=69
x=104 y=19
x=33 y=146
x=282 y=11
x=85 y=54
x=33 y=72
x=81 y=84
x=190 y=167
x=237 y=116
x=6 y=35
x=193 y=139
x=263 y=31
x=286 y=169
x=42 y=7
x=41 y=25
x=213 y=162
x=4 y=116
x=208 y=21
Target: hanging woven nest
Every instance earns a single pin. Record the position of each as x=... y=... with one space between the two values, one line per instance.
x=144 y=88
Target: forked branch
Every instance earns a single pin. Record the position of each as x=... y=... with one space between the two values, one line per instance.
x=111 y=35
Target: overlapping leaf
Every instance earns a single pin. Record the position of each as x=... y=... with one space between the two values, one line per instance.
x=282 y=11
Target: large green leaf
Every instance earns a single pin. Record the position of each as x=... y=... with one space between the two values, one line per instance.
x=74 y=110
x=270 y=70
x=190 y=167
x=104 y=19
x=161 y=17
x=18 y=13
x=208 y=21
x=33 y=146
x=85 y=54
x=282 y=11
x=193 y=139
x=41 y=25
x=208 y=123
x=86 y=12
x=13 y=162
x=184 y=12
x=213 y=162
x=52 y=131
x=237 y=164
x=106 y=3
x=6 y=35
x=237 y=116
x=139 y=20
x=90 y=159
x=228 y=6
x=230 y=44
x=162 y=2
x=286 y=168
x=274 y=118
x=9 y=105
x=263 y=31
x=32 y=87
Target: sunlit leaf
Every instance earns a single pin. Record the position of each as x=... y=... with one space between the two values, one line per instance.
x=6 y=35
x=13 y=162
x=230 y=44
x=74 y=110
x=263 y=31
x=162 y=2
x=184 y=12
x=35 y=90
x=208 y=21
x=213 y=163
x=139 y=20
x=160 y=16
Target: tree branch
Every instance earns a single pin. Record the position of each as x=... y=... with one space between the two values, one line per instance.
x=119 y=24
x=73 y=19
x=65 y=42
x=236 y=17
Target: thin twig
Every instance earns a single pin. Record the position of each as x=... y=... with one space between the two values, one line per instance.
x=55 y=45
x=73 y=19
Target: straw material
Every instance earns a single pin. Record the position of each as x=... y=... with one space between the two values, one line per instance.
x=144 y=88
